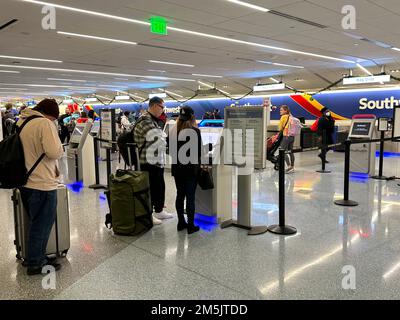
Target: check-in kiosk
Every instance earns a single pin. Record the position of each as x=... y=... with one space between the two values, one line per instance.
x=80 y=155
x=216 y=202
x=362 y=155
x=94 y=131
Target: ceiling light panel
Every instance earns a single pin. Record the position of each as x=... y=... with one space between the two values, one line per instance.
x=249 y=5
x=93 y=72
x=172 y=63
x=201 y=34
x=86 y=36
x=31 y=59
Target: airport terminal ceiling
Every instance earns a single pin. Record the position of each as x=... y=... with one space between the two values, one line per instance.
x=305 y=44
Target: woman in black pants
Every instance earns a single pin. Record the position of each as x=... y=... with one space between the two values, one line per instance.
x=185 y=147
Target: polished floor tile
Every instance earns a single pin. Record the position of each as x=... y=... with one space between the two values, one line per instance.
x=228 y=264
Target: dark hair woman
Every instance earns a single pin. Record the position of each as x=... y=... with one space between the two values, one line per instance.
x=185 y=166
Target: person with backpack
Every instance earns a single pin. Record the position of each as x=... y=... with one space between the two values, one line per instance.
x=40 y=137
x=151 y=142
x=326 y=127
x=125 y=123
x=185 y=134
x=289 y=129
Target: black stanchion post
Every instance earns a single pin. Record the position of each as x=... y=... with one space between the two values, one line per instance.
x=346 y=202
x=323 y=153
x=108 y=157
x=97 y=185
x=282 y=228
x=380 y=176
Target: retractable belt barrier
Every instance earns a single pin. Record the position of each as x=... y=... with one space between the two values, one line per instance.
x=96 y=163
x=284 y=229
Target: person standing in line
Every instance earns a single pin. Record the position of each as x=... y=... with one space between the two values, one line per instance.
x=83 y=117
x=39 y=195
x=64 y=132
x=148 y=134
x=287 y=140
x=125 y=123
x=326 y=124
x=185 y=133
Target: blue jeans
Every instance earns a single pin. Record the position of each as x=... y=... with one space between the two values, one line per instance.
x=185 y=188
x=41 y=207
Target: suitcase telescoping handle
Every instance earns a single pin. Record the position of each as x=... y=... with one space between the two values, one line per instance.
x=129 y=146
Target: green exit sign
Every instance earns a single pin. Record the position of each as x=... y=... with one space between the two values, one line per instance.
x=158 y=25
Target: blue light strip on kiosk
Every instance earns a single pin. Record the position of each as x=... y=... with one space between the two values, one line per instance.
x=211 y=123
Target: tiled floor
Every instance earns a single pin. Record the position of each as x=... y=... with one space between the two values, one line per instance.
x=229 y=264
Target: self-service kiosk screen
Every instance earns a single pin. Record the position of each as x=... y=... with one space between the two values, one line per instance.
x=77 y=133
x=95 y=128
x=210 y=137
x=361 y=129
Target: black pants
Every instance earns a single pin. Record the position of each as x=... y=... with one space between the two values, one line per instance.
x=64 y=134
x=157 y=186
x=185 y=189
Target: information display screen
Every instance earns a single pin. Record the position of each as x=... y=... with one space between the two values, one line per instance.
x=77 y=133
x=361 y=129
x=95 y=128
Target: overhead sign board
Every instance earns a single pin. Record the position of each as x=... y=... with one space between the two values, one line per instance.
x=362 y=80
x=269 y=87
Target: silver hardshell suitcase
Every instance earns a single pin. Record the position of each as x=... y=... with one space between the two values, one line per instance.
x=59 y=240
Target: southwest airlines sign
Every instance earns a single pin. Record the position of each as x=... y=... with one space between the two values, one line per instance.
x=388 y=103
x=343 y=104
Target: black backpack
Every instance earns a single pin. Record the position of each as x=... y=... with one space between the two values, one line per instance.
x=125 y=142
x=13 y=173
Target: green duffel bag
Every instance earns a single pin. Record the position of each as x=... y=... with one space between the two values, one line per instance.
x=130 y=203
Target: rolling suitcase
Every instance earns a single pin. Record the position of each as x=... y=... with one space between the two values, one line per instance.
x=59 y=240
x=129 y=200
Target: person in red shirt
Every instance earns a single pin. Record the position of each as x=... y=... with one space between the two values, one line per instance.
x=83 y=118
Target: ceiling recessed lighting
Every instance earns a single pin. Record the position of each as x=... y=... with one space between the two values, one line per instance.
x=9 y=71
x=363 y=69
x=280 y=64
x=94 y=72
x=124 y=79
x=205 y=75
x=249 y=5
x=394 y=48
x=172 y=63
x=27 y=58
x=95 y=37
x=170 y=92
x=104 y=15
x=189 y=31
x=205 y=84
x=73 y=80
x=152 y=70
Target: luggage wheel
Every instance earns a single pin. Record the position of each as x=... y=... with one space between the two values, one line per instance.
x=64 y=253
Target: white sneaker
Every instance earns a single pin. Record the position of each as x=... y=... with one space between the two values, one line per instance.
x=156 y=221
x=162 y=215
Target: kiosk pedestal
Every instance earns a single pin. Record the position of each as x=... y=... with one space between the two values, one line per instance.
x=362 y=155
x=216 y=202
x=80 y=152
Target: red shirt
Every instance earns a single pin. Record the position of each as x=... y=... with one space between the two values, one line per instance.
x=82 y=120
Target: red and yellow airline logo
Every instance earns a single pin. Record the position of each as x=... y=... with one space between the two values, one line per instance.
x=310 y=104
